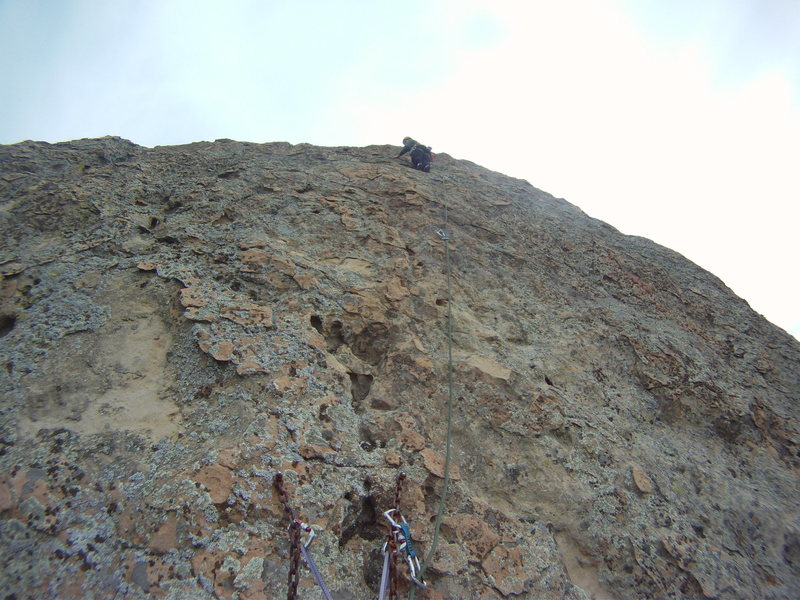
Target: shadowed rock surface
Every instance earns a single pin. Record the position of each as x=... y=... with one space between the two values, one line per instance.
x=180 y=323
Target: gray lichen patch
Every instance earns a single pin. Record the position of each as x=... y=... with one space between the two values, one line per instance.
x=116 y=379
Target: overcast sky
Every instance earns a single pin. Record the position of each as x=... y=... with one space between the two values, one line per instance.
x=677 y=120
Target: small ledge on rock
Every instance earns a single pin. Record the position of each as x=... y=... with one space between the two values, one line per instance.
x=489 y=367
x=435 y=464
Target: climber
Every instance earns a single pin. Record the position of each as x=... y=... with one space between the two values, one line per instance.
x=421 y=156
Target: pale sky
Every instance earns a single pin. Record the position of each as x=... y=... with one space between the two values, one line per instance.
x=676 y=120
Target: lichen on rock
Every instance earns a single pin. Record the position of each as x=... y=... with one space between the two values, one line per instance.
x=179 y=324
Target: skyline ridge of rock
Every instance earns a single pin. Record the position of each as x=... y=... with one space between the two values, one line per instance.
x=180 y=323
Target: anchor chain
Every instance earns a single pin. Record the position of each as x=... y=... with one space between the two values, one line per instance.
x=294 y=536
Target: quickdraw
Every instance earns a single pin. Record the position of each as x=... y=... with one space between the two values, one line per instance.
x=389 y=573
x=398 y=539
x=402 y=536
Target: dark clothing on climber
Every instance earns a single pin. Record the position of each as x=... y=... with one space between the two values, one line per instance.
x=420 y=155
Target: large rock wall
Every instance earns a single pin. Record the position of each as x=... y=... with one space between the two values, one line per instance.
x=181 y=323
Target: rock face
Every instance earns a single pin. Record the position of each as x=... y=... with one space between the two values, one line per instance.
x=181 y=323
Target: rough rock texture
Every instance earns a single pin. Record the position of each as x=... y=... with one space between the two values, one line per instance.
x=180 y=323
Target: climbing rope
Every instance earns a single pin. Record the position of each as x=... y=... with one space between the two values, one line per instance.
x=399 y=535
x=448 y=443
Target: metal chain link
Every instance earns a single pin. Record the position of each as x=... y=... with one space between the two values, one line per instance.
x=294 y=564
x=397 y=489
x=294 y=536
x=278 y=483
